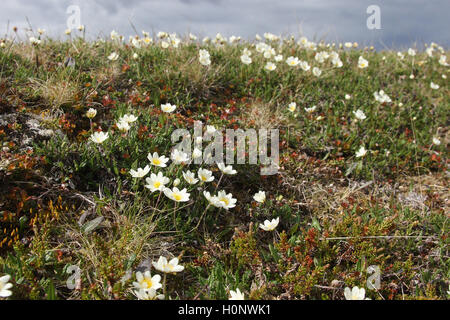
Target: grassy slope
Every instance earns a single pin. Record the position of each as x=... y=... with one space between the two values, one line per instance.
x=339 y=214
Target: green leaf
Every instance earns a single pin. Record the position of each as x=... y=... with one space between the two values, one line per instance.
x=51 y=291
x=91 y=225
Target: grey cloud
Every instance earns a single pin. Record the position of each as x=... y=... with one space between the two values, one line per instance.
x=403 y=22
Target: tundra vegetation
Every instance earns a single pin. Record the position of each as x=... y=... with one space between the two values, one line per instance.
x=95 y=205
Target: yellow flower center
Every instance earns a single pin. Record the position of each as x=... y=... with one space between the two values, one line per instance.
x=156 y=161
x=225 y=200
x=177 y=196
x=157 y=184
x=147 y=282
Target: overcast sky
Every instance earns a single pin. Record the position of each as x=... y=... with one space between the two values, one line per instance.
x=403 y=22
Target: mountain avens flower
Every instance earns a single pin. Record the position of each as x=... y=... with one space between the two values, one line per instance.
x=99 y=137
x=146 y=281
x=140 y=172
x=270 y=225
x=156 y=182
x=177 y=195
x=167 y=267
x=156 y=160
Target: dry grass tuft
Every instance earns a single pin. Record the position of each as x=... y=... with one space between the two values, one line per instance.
x=263 y=115
x=57 y=92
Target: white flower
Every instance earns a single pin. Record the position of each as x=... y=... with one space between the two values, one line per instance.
x=236 y=295
x=270 y=225
x=316 y=71
x=362 y=63
x=179 y=156
x=381 y=97
x=146 y=281
x=167 y=267
x=190 y=177
x=270 y=36
x=411 y=52
x=400 y=55
x=429 y=51
x=260 y=196
x=278 y=57
x=292 y=61
x=167 y=107
x=164 y=44
x=41 y=31
x=312 y=109
x=210 y=129
x=147 y=40
x=321 y=56
x=245 y=59
x=292 y=106
x=136 y=43
x=174 y=40
x=159 y=161
x=123 y=126
x=269 y=52
x=113 y=56
x=234 y=39
x=5 y=286
x=443 y=60
x=434 y=86
x=91 y=113
x=246 y=52
x=348 y=44
x=192 y=37
x=226 y=169
x=177 y=195
x=303 y=41
x=211 y=199
x=436 y=141
x=359 y=114
x=355 y=294
x=305 y=66
x=197 y=153
x=99 y=137
x=205 y=175
x=114 y=35
x=140 y=173
x=337 y=62
x=270 y=66
x=156 y=182
x=311 y=45
x=129 y=118
x=347 y=97
x=35 y=41
x=150 y=294
x=204 y=60
x=361 y=152
x=203 y=53
x=225 y=200
x=68 y=31
x=176 y=182
x=261 y=47
x=162 y=35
